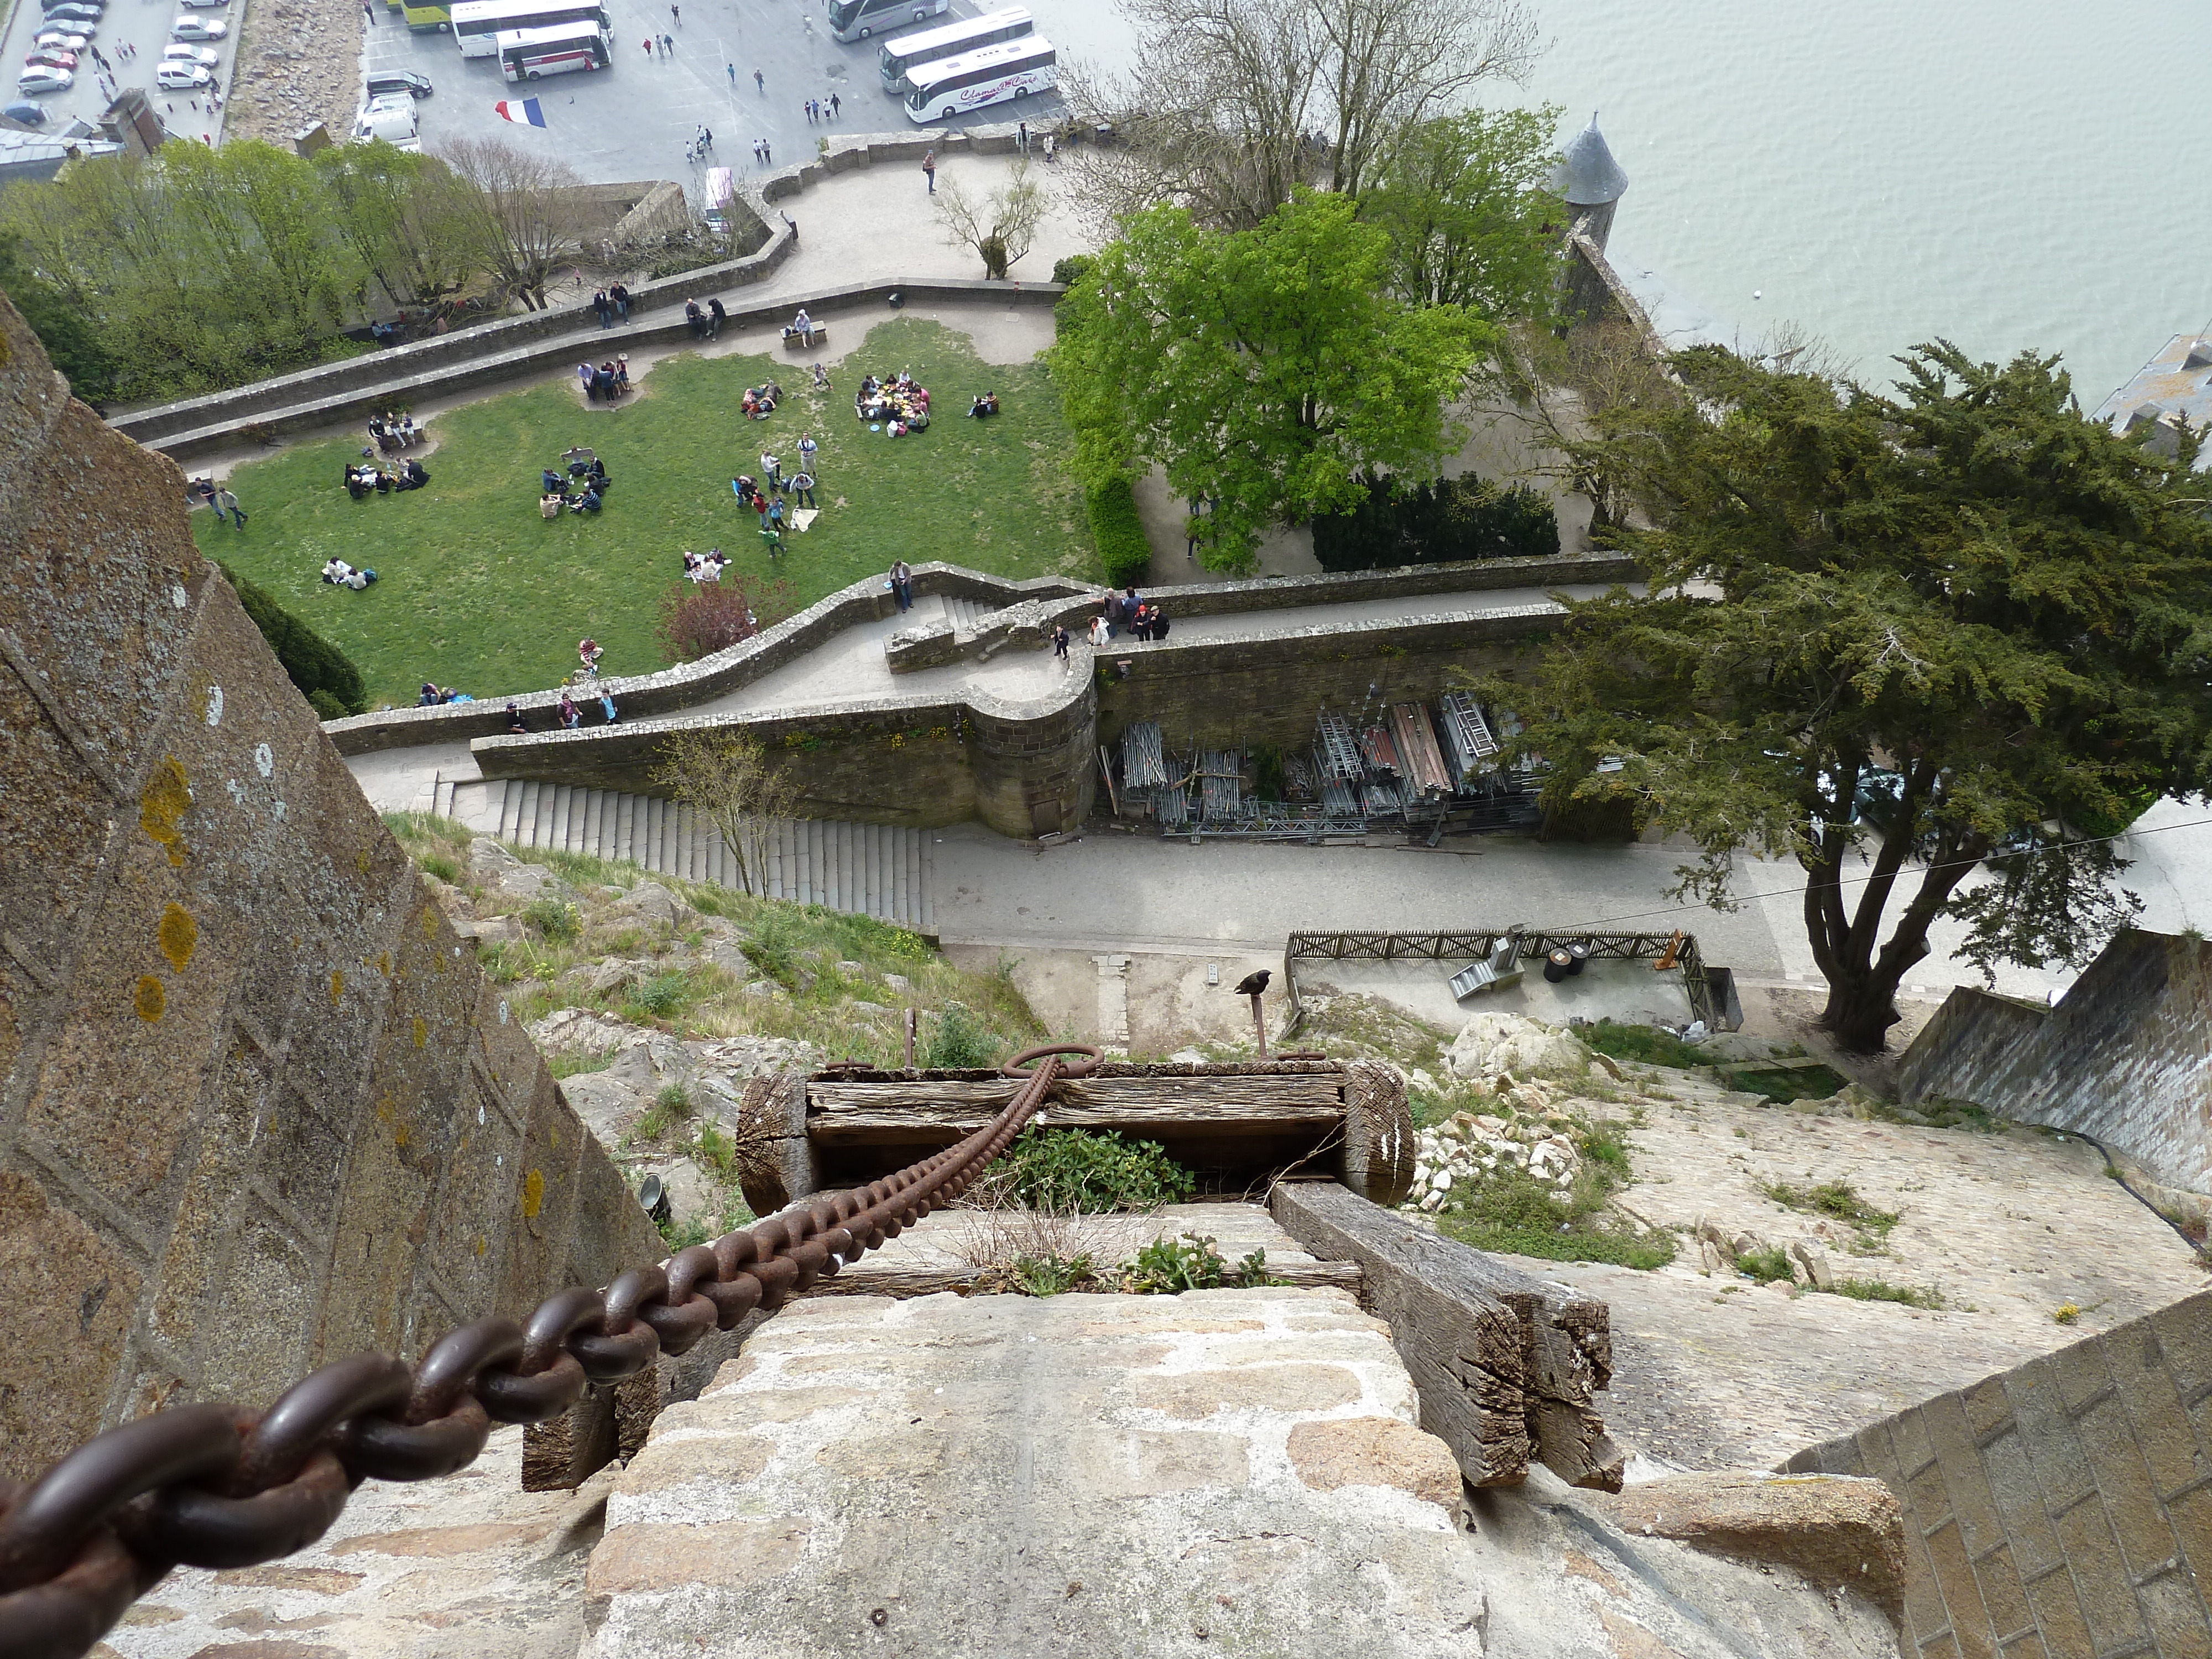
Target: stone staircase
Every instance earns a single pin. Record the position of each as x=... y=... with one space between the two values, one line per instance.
x=877 y=870
x=964 y=614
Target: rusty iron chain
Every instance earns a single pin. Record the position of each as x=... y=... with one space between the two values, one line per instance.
x=213 y=1485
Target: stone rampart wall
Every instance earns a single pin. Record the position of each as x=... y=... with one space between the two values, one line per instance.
x=2126 y=1056
x=2061 y=1509
x=261 y=1109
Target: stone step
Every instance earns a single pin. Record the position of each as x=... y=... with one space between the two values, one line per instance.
x=883 y=871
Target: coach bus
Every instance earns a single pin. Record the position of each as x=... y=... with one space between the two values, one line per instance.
x=529 y=54
x=903 y=53
x=991 y=74
x=428 y=16
x=856 y=20
x=477 y=24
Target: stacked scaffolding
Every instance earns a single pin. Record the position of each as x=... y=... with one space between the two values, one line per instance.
x=1468 y=745
x=1220 y=785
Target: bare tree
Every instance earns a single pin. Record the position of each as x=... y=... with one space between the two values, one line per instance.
x=1001 y=226
x=528 y=211
x=1564 y=388
x=1233 y=103
x=728 y=779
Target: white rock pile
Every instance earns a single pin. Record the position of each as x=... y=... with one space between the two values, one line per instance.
x=1469 y=1146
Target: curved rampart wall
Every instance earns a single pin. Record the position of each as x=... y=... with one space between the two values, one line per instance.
x=2125 y=1055
x=261 y=1109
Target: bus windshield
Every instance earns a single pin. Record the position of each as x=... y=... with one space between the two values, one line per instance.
x=479 y=23
x=992 y=75
x=900 y=54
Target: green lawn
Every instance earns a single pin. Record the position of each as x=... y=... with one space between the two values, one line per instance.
x=476 y=590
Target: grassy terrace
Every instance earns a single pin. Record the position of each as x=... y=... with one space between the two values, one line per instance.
x=477 y=592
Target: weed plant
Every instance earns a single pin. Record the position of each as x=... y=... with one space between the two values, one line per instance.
x=1080 y=1169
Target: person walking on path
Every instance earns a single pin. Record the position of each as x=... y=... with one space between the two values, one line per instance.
x=760 y=83
x=370 y=11
x=836 y=107
x=1022 y=137
x=715 y=318
x=605 y=307
x=1060 y=643
x=929 y=169
x=675 y=15
x=227 y=502
x=668 y=45
x=648 y=46
x=767 y=152
x=618 y=297
x=732 y=69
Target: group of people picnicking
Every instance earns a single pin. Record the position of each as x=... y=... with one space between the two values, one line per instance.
x=607 y=381
x=985 y=406
x=896 y=402
x=580 y=484
x=395 y=432
x=705 y=566
x=433 y=694
x=369 y=478
x=337 y=573
x=760 y=401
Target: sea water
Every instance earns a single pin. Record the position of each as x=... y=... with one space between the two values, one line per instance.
x=2029 y=174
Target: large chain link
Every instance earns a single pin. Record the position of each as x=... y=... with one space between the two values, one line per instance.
x=213 y=1485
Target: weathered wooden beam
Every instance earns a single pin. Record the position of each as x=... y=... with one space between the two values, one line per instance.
x=924 y=1110
x=903 y=1282
x=1505 y=1363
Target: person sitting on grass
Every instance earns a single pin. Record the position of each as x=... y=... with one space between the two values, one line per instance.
x=360 y=579
x=336 y=570
x=430 y=698
x=552 y=483
x=413 y=476
x=587 y=502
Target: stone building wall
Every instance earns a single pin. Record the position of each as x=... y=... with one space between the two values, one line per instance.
x=2062 y=1509
x=2126 y=1056
x=260 y=1108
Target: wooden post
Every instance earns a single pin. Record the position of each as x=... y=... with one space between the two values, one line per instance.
x=1504 y=1363
x=909 y=1039
x=1260 y=1024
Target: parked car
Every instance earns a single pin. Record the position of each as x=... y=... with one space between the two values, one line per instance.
x=393 y=83
x=54 y=57
x=39 y=77
x=183 y=77
x=74 y=16
x=199 y=28
x=28 y=114
x=213 y=4
x=178 y=53
x=62 y=39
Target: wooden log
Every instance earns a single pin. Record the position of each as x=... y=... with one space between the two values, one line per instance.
x=932 y=1108
x=1376 y=1159
x=907 y=1282
x=1505 y=1363
x=562 y=1453
x=775 y=1159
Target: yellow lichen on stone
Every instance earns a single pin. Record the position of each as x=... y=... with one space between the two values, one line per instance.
x=337 y=987
x=180 y=935
x=167 y=797
x=421 y=1033
x=151 y=1000
x=533 y=1194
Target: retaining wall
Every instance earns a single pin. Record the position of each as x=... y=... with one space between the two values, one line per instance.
x=261 y=1109
x=2062 y=1509
x=2126 y=1056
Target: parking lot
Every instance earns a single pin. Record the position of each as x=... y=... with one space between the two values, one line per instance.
x=144 y=24
x=634 y=120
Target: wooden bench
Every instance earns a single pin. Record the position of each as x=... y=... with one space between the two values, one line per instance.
x=820 y=333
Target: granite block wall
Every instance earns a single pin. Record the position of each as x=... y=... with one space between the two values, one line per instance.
x=2061 y=1510
x=2126 y=1056
x=258 y=1109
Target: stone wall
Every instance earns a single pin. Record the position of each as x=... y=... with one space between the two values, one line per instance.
x=2126 y=1056
x=2062 y=1509
x=1595 y=294
x=261 y=1109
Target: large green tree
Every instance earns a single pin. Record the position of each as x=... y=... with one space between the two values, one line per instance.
x=1468 y=203
x=1265 y=369
x=1899 y=638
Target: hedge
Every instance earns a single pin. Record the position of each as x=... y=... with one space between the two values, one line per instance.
x=324 y=674
x=1123 y=547
x=1463 y=518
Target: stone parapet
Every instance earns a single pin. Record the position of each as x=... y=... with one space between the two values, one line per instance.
x=261 y=1109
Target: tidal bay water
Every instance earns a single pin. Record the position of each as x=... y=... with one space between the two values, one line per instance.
x=2030 y=173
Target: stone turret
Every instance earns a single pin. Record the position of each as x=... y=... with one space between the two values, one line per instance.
x=1590 y=182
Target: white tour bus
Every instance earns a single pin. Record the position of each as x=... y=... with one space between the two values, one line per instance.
x=477 y=24
x=856 y=20
x=528 y=54
x=989 y=75
x=898 y=55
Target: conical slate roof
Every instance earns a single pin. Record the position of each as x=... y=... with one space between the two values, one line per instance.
x=1587 y=175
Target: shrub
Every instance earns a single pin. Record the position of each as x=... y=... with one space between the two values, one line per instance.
x=713 y=617
x=1838 y=1201
x=312 y=661
x=1068 y=269
x=1765 y=1265
x=1079 y=1169
x=960 y=1043
x=1462 y=518
x=1878 y=1290
x=555 y=921
x=1646 y=1044
x=1120 y=533
x=663 y=996
x=1052 y=1275
x=438 y=865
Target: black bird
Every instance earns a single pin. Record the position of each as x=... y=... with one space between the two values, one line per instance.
x=1253 y=984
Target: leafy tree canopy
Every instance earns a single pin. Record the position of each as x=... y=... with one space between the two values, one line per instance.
x=1892 y=637
x=1264 y=368
x=1473 y=223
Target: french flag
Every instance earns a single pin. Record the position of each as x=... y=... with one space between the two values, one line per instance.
x=527 y=111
